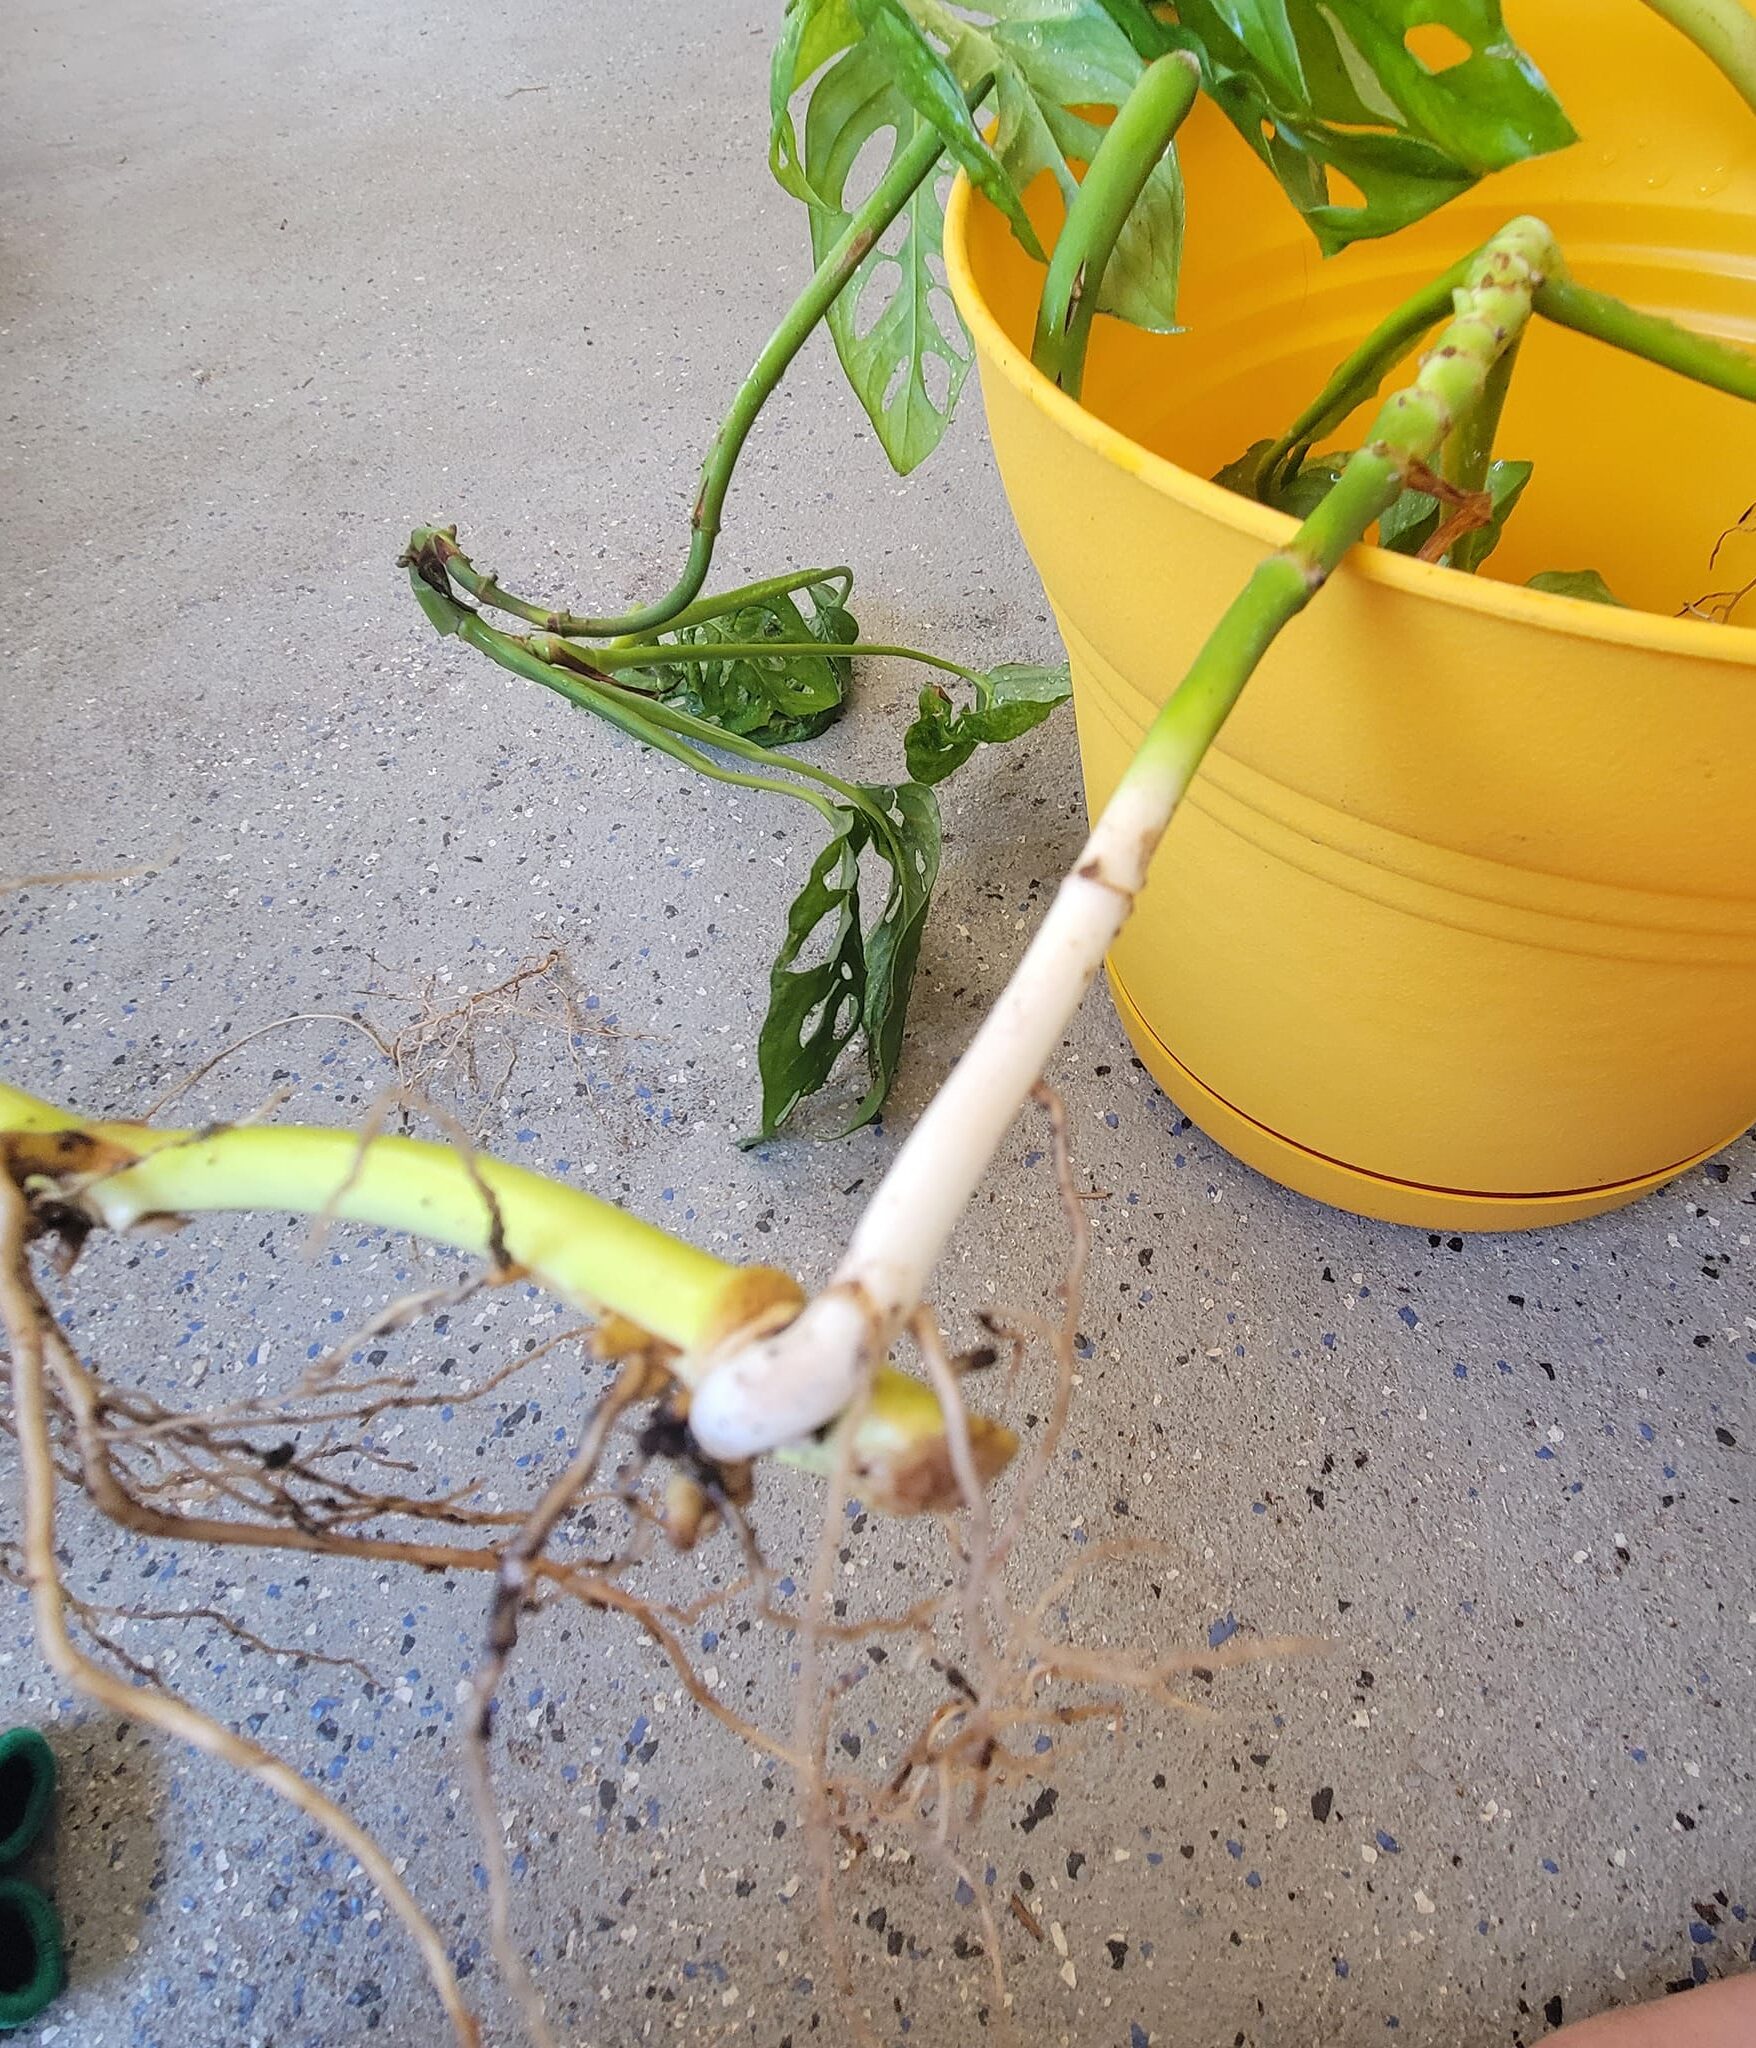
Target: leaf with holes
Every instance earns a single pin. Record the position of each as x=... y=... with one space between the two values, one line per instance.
x=858 y=982
x=775 y=699
x=895 y=329
x=906 y=836
x=815 y=1010
x=812 y=32
x=1010 y=700
x=1053 y=62
x=1408 y=101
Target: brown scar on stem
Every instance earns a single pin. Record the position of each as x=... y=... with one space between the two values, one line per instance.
x=923 y=1481
x=59 y=1162
x=1092 y=870
x=755 y=1302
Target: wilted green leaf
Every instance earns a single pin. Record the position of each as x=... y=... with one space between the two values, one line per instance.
x=1010 y=700
x=906 y=835
x=775 y=699
x=1585 y=584
x=855 y=981
x=814 y=1011
x=1316 y=86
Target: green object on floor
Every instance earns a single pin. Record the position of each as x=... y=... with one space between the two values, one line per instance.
x=32 y=1971
x=27 y=1789
x=32 y=1968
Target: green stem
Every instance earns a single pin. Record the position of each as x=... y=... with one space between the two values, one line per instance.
x=624 y=655
x=582 y=1249
x=1492 y=308
x=1725 y=30
x=1355 y=379
x=656 y=725
x=1661 y=341
x=1469 y=454
x=585 y=1251
x=583 y=677
x=1135 y=140
x=913 y=164
x=746 y=595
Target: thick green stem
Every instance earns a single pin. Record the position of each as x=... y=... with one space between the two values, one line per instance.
x=914 y=163
x=1469 y=454
x=1355 y=379
x=631 y=655
x=585 y=1251
x=801 y=1375
x=1144 y=127
x=1725 y=30
x=582 y=1249
x=1696 y=356
x=1492 y=308
x=747 y=594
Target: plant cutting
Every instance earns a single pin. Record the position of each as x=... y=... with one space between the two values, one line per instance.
x=750 y=671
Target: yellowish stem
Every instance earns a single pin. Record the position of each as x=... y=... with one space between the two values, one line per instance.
x=585 y=1251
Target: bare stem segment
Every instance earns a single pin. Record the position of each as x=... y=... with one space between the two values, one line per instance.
x=1135 y=140
x=1724 y=30
x=914 y=163
x=799 y=1377
x=585 y=1251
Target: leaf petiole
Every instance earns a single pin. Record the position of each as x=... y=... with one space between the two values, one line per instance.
x=623 y=655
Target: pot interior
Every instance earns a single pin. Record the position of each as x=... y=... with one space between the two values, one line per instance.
x=1638 y=474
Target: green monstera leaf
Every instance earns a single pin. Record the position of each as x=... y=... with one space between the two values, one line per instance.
x=776 y=699
x=1410 y=101
x=901 y=343
x=856 y=981
x=1010 y=700
x=882 y=69
x=927 y=82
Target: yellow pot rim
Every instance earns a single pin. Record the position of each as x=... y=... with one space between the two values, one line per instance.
x=1694 y=639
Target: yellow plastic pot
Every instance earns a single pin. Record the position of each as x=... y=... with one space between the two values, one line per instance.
x=1457 y=926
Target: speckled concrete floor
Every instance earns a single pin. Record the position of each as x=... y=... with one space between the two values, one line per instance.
x=281 y=281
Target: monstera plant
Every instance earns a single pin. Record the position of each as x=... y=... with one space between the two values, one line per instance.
x=1370 y=114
